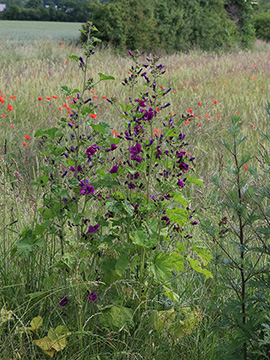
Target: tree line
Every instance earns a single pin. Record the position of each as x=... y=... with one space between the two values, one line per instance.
x=169 y=25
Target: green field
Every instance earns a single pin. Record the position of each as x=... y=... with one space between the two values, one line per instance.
x=30 y=31
x=213 y=87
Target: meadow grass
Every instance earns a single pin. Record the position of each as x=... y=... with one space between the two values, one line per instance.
x=214 y=86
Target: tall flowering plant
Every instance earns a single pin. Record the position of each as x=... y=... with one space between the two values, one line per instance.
x=112 y=202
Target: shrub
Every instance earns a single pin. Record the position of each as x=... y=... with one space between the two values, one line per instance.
x=262 y=26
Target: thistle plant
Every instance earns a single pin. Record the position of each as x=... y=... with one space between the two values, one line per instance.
x=242 y=249
x=112 y=217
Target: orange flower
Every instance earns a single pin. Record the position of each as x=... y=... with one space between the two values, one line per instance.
x=95 y=96
x=252 y=77
x=157 y=109
x=28 y=137
x=92 y=91
x=115 y=133
x=104 y=97
x=157 y=132
x=10 y=108
x=94 y=116
x=245 y=167
x=25 y=144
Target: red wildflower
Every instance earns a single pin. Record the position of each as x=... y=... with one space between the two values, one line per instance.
x=55 y=97
x=245 y=167
x=252 y=77
x=10 y=108
x=39 y=98
x=157 y=132
x=48 y=98
x=94 y=116
x=28 y=137
x=115 y=133
x=189 y=111
x=2 y=100
x=199 y=103
x=92 y=91
x=214 y=102
x=208 y=116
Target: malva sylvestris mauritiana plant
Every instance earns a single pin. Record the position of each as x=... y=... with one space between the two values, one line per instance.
x=112 y=209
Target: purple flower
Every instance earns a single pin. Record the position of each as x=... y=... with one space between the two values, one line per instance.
x=93 y=229
x=79 y=168
x=92 y=297
x=114 y=169
x=131 y=185
x=90 y=151
x=180 y=183
x=135 y=150
x=72 y=168
x=86 y=189
x=141 y=103
x=113 y=147
x=64 y=301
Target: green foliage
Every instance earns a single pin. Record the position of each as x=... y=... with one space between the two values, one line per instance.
x=262 y=26
x=170 y=25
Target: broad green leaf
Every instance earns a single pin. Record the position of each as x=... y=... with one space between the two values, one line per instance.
x=122 y=263
x=117 y=318
x=178 y=216
x=36 y=323
x=105 y=77
x=39 y=229
x=66 y=90
x=195 y=264
x=44 y=343
x=178 y=261
x=193 y=179
x=73 y=57
x=99 y=128
x=141 y=238
x=162 y=267
x=126 y=108
x=178 y=197
x=171 y=294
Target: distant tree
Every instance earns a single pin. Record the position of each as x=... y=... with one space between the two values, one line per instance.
x=34 y=4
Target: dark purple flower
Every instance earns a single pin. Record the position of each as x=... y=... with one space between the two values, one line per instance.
x=180 y=183
x=87 y=190
x=79 y=168
x=135 y=150
x=92 y=297
x=113 y=147
x=90 y=151
x=114 y=169
x=72 y=168
x=64 y=173
x=141 y=103
x=64 y=301
x=131 y=185
x=93 y=229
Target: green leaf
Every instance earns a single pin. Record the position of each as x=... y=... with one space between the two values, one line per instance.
x=36 y=323
x=105 y=77
x=122 y=263
x=193 y=179
x=99 y=128
x=141 y=238
x=128 y=207
x=126 y=108
x=39 y=229
x=177 y=197
x=178 y=261
x=117 y=318
x=52 y=132
x=73 y=57
x=178 y=216
x=195 y=264
x=162 y=267
x=66 y=90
